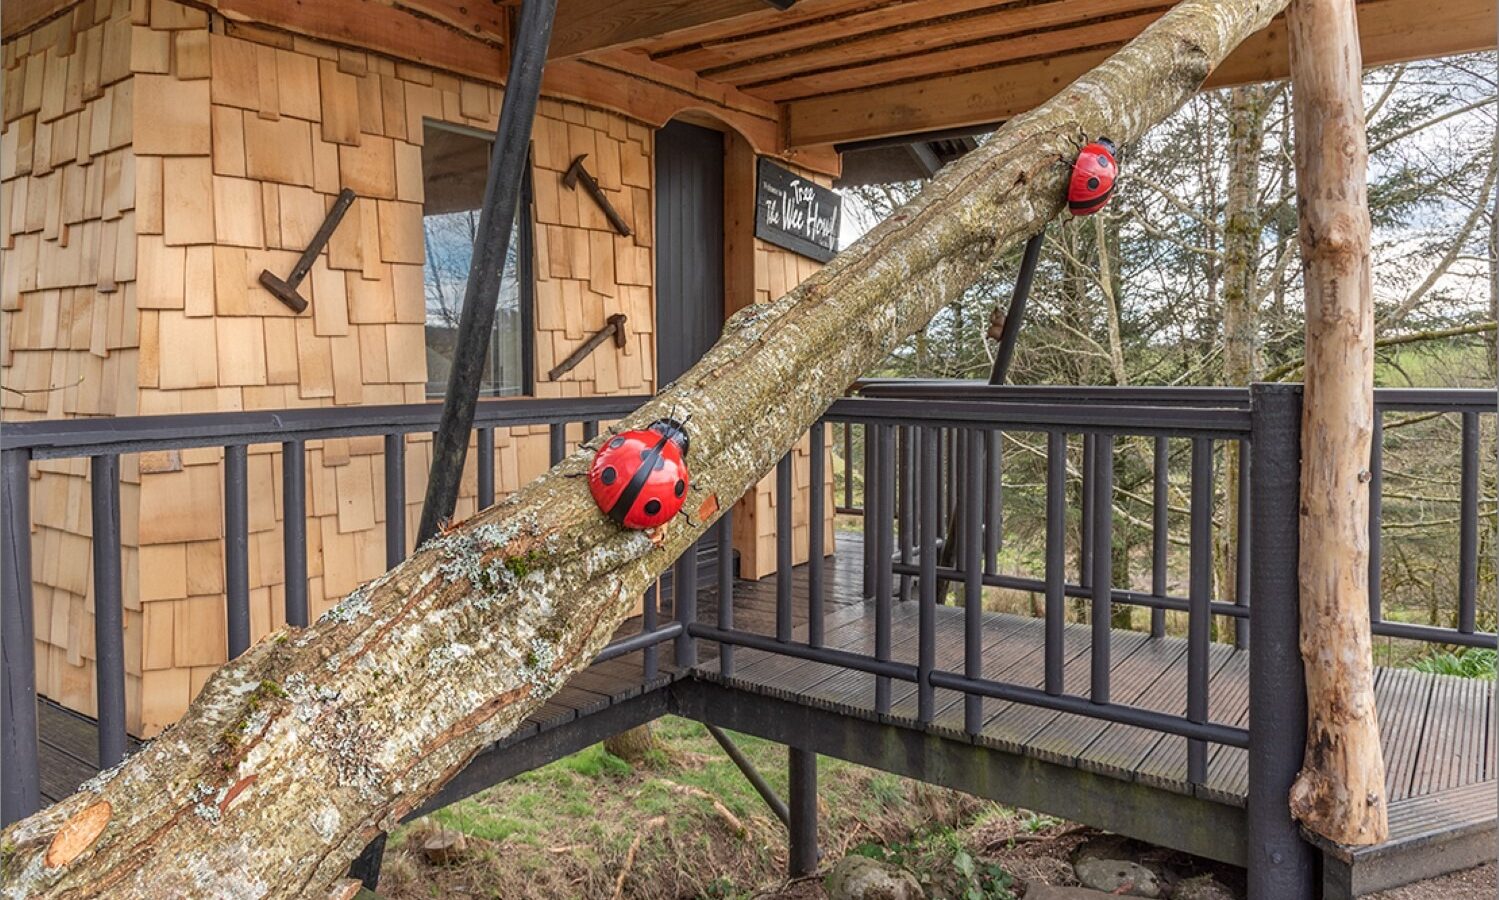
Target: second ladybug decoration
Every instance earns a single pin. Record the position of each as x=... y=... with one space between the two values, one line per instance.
x=639 y=478
x=1093 y=174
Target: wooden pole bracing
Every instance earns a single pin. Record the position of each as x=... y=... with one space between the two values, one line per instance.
x=1340 y=792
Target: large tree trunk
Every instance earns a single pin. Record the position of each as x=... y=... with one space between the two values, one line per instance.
x=1340 y=792
x=298 y=752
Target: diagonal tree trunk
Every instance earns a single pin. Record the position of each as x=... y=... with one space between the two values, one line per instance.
x=298 y=752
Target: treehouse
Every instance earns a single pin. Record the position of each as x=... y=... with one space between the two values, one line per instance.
x=237 y=236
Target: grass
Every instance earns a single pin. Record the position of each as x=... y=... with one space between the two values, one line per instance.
x=565 y=829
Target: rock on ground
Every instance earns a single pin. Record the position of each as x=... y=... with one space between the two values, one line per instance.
x=862 y=878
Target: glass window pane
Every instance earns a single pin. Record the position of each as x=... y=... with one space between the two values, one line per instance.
x=454 y=167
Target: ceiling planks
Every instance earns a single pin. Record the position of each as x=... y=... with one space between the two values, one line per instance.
x=582 y=26
x=955 y=97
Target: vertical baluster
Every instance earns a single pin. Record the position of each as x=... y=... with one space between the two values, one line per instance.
x=930 y=475
x=994 y=500
x=975 y=554
x=590 y=430
x=557 y=446
x=725 y=537
x=684 y=604
x=1159 y=523
x=816 y=538
x=294 y=530
x=395 y=499
x=1056 y=557
x=906 y=508
x=1103 y=564
x=19 y=792
x=1085 y=546
x=237 y=548
x=867 y=511
x=1376 y=513
x=848 y=465
x=884 y=516
x=1467 y=561
x=648 y=623
x=1199 y=594
x=109 y=615
x=1243 y=547
x=784 y=532
x=486 y=468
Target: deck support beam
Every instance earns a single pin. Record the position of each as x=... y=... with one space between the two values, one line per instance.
x=1340 y=793
x=802 y=841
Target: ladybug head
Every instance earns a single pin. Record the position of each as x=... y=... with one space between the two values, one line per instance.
x=672 y=430
x=1108 y=145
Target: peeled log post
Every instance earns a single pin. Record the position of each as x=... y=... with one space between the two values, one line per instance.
x=1340 y=791
x=301 y=750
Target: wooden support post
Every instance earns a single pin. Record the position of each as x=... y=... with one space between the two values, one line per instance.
x=1340 y=791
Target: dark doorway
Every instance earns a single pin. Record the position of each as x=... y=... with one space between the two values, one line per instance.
x=689 y=264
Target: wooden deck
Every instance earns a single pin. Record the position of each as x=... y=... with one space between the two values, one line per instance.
x=1438 y=732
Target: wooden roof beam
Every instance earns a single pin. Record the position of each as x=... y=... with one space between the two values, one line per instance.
x=1390 y=31
x=583 y=26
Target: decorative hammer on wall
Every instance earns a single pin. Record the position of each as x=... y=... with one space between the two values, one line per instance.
x=286 y=291
x=615 y=325
x=576 y=173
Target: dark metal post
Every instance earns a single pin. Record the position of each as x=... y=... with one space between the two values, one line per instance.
x=1281 y=865
x=507 y=167
x=237 y=548
x=802 y=840
x=906 y=506
x=486 y=467
x=294 y=530
x=1243 y=546
x=975 y=554
x=395 y=499
x=816 y=545
x=1159 y=521
x=1085 y=544
x=1467 y=551
x=725 y=533
x=751 y=774
x=784 y=534
x=927 y=590
x=884 y=515
x=1376 y=513
x=1011 y=328
x=1103 y=565
x=1199 y=596
x=649 y=615
x=871 y=527
x=1056 y=557
x=684 y=604
x=556 y=442
x=994 y=497
x=109 y=613
x=20 y=794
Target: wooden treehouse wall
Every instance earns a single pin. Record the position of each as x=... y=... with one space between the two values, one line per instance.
x=155 y=160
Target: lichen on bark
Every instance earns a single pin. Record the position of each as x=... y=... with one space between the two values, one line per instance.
x=391 y=693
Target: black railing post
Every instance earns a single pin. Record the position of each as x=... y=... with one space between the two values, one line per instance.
x=1159 y=523
x=237 y=548
x=1281 y=865
x=294 y=530
x=1376 y=513
x=502 y=189
x=867 y=504
x=1102 y=586
x=485 y=449
x=1467 y=551
x=884 y=550
x=684 y=605
x=975 y=555
x=785 y=531
x=1056 y=558
x=395 y=499
x=816 y=543
x=725 y=535
x=1199 y=599
x=19 y=795
x=109 y=612
x=927 y=584
x=1243 y=546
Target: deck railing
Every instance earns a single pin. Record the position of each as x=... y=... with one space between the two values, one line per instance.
x=104 y=441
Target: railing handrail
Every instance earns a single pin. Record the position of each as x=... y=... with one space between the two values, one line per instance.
x=56 y=438
x=1413 y=399
x=1075 y=418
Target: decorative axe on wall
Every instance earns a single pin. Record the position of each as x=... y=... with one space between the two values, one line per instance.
x=614 y=326
x=576 y=173
x=286 y=291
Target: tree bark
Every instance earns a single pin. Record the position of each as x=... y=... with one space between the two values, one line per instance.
x=1340 y=791
x=297 y=753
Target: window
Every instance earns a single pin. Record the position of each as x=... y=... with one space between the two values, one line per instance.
x=455 y=165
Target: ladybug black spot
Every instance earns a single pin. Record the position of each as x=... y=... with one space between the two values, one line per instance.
x=617 y=442
x=679 y=488
x=1103 y=162
x=1093 y=184
x=608 y=475
x=652 y=507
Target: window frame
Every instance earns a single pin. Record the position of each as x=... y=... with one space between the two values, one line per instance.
x=525 y=275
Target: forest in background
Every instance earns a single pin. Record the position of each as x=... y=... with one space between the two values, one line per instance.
x=1192 y=276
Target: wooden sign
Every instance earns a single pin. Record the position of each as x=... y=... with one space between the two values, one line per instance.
x=796 y=213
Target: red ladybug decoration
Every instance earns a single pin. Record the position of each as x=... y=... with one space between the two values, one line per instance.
x=1093 y=175
x=639 y=478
